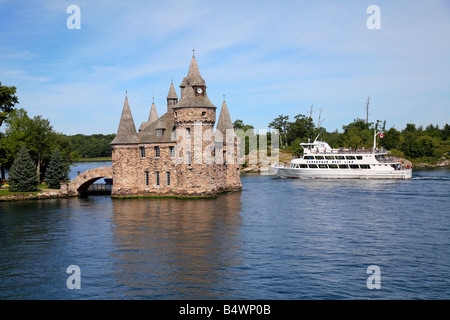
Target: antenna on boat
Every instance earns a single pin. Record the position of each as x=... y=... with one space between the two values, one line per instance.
x=375 y=133
x=317 y=137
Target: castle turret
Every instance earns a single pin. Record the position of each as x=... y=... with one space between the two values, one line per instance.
x=126 y=133
x=153 y=116
x=193 y=89
x=172 y=98
x=224 y=123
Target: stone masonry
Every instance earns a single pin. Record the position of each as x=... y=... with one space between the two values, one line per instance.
x=180 y=153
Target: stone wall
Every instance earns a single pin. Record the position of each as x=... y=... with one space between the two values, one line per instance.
x=134 y=175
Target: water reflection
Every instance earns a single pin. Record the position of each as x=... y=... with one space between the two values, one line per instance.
x=170 y=249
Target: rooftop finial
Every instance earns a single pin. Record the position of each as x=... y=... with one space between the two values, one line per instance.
x=223 y=97
x=193 y=50
x=126 y=94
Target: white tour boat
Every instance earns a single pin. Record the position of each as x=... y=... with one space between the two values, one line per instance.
x=319 y=160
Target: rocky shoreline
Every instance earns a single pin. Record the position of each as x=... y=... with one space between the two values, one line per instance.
x=34 y=196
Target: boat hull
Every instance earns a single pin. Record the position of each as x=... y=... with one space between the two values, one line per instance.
x=318 y=173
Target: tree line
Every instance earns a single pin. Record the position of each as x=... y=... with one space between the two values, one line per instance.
x=34 y=140
x=415 y=143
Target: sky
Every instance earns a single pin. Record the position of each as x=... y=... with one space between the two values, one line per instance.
x=267 y=57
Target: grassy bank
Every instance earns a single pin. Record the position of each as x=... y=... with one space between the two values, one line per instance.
x=42 y=188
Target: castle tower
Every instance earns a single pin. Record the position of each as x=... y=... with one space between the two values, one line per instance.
x=175 y=154
x=194 y=118
x=172 y=98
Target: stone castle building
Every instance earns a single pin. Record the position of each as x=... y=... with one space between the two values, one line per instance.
x=179 y=153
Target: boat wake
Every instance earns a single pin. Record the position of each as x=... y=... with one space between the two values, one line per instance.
x=432 y=178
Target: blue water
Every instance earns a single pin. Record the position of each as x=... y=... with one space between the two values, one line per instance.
x=277 y=239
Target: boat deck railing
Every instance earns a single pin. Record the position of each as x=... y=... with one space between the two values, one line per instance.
x=348 y=151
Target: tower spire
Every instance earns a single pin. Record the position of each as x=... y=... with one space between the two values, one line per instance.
x=126 y=133
x=153 y=116
x=172 y=98
x=224 y=123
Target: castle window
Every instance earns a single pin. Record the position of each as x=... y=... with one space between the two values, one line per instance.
x=172 y=151
x=168 y=178
x=142 y=151
x=157 y=153
x=189 y=160
x=157 y=178
x=159 y=133
x=204 y=114
x=188 y=132
x=147 y=180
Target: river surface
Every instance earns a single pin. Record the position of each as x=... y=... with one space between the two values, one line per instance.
x=277 y=239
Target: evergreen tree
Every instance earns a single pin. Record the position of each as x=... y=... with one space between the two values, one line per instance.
x=57 y=170
x=22 y=175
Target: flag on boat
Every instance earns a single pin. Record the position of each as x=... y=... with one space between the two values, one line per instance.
x=381 y=135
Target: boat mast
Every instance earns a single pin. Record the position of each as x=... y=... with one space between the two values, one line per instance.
x=375 y=133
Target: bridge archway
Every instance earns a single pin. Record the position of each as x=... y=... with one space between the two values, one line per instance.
x=81 y=183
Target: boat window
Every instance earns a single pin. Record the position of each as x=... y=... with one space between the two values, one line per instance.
x=323 y=166
x=365 y=166
x=350 y=157
x=359 y=157
x=340 y=157
x=313 y=166
x=303 y=166
x=343 y=166
x=332 y=166
x=354 y=166
x=329 y=157
x=308 y=157
x=319 y=157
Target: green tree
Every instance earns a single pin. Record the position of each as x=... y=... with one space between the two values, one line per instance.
x=358 y=134
x=247 y=135
x=446 y=132
x=410 y=146
x=391 y=139
x=57 y=170
x=23 y=176
x=34 y=133
x=302 y=128
x=7 y=101
x=239 y=124
x=281 y=123
x=428 y=146
x=37 y=135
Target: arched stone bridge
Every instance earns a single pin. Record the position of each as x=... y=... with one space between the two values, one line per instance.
x=81 y=183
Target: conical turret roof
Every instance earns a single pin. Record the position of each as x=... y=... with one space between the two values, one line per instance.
x=224 y=121
x=172 y=94
x=188 y=97
x=194 y=74
x=126 y=133
x=153 y=116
